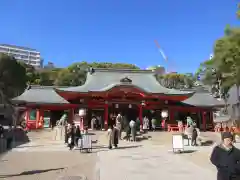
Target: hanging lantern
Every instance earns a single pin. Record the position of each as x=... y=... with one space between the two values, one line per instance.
x=116 y=106
x=143 y=103
x=164 y=113
x=81 y=100
x=82 y=112
x=130 y=106
x=166 y=102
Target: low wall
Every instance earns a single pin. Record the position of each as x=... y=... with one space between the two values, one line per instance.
x=59 y=133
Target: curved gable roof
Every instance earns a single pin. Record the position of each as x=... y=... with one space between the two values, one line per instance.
x=103 y=79
x=203 y=100
x=41 y=95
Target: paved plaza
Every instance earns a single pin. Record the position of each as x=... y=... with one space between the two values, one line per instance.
x=149 y=159
x=152 y=162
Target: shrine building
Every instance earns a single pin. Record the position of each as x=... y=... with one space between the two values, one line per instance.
x=107 y=92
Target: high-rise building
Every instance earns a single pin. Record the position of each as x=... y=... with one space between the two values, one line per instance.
x=27 y=55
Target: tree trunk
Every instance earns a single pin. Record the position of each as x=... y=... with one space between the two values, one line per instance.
x=238 y=109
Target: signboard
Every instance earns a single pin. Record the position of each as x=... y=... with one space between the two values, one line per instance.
x=46 y=123
x=177 y=142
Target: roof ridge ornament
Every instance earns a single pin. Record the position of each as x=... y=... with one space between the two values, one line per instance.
x=126 y=80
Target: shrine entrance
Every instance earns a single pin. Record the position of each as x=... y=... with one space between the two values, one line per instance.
x=129 y=111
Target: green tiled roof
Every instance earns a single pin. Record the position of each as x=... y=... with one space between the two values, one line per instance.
x=105 y=79
x=203 y=100
x=40 y=95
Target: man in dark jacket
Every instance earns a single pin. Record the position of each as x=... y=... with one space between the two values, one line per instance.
x=226 y=158
x=115 y=136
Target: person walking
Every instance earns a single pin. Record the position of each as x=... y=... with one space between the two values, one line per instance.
x=145 y=124
x=133 y=127
x=128 y=132
x=67 y=129
x=226 y=158
x=115 y=136
x=154 y=124
x=9 y=137
x=109 y=136
x=71 y=137
x=77 y=135
x=119 y=122
x=93 y=122
x=194 y=136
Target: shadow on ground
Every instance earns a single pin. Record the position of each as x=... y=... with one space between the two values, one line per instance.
x=101 y=148
x=26 y=173
x=184 y=152
x=143 y=138
x=207 y=143
x=128 y=147
x=188 y=151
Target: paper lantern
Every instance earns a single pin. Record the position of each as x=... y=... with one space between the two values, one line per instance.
x=130 y=106
x=116 y=105
x=82 y=112
x=164 y=113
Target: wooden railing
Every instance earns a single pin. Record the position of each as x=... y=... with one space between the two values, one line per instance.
x=227 y=129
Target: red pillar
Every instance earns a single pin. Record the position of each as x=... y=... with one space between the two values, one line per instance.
x=140 y=116
x=106 y=117
x=27 y=119
x=37 y=118
x=41 y=117
x=204 y=120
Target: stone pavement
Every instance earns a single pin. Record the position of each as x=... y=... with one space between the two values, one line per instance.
x=149 y=162
x=45 y=159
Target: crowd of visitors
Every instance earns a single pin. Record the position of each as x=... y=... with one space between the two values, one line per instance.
x=72 y=135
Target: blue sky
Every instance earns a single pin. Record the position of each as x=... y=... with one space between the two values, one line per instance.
x=118 y=31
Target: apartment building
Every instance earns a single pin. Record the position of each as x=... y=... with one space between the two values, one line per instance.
x=27 y=55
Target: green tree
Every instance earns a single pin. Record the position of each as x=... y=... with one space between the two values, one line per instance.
x=176 y=81
x=226 y=60
x=172 y=80
x=12 y=76
x=32 y=75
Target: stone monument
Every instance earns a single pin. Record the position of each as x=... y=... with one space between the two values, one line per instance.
x=59 y=130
